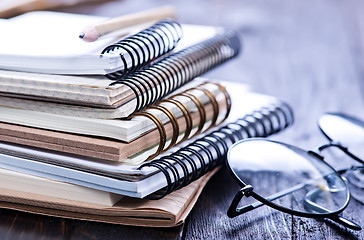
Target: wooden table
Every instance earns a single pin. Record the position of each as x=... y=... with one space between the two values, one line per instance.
x=308 y=53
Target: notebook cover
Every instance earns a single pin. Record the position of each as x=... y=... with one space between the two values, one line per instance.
x=167 y=212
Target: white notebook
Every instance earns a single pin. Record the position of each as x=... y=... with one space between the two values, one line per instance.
x=48 y=42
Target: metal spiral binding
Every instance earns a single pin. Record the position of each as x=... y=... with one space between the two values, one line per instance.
x=158 y=80
x=186 y=114
x=145 y=46
x=206 y=152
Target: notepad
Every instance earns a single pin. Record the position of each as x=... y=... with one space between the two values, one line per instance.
x=124 y=130
x=26 y=183
x=167 y=212
x=48 y=42
x=96 y=96
x=212 y=106
x=44 y=42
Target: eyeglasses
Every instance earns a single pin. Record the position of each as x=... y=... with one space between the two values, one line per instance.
x=296 y=181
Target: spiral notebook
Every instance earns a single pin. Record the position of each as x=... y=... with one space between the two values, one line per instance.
x=170 y=211
x=124 y=130
x=170 y=183
x=98 y=97
x=252 y=115
x=210 y=105
x=52 y=44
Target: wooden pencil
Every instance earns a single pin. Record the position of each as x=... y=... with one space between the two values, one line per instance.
x=93 y=32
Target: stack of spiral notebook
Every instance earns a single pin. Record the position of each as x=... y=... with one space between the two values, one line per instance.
x=99 y=132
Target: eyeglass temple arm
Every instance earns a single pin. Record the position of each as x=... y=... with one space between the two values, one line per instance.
x=233 y=210
x=353 y=168
x=345 y=222
x=312 y=206
x=345 y=149
x=332 y=144
x=247 y=191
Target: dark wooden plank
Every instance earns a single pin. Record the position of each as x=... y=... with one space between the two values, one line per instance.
x=212 y=207
x=18 y=225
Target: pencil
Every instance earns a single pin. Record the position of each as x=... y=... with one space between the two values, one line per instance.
x=93 y=32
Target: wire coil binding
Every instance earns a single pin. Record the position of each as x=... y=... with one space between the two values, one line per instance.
x=186 y=114
x=203 y=154
x=145 y=46
x=158 y=80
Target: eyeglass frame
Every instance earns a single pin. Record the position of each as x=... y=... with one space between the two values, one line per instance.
x=248 y=190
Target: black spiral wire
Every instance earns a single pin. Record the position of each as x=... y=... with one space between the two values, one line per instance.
x=158 y=80
x=203 y=154
x=145 y=46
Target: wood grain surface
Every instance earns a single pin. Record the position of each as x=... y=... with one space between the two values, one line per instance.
x=308 y=53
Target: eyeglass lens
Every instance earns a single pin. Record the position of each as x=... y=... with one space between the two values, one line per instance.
x=349 y=133
x=288 y=176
